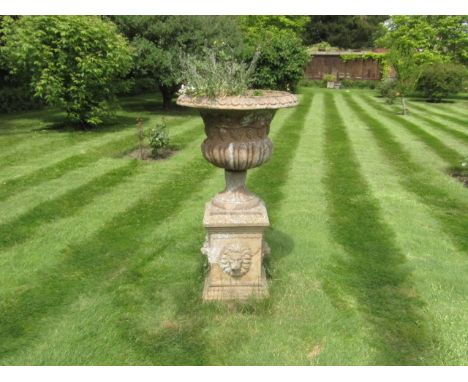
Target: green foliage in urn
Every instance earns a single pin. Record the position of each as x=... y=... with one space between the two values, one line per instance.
x=217 y=73
x=438 y=81
x=74 y=62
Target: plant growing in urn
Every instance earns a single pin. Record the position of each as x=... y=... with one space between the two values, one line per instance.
x=237 y=122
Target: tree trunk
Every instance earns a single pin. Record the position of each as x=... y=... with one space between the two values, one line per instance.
x=167 y=94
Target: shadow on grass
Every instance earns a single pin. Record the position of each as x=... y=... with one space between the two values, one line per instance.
x=373 y=277
x=118 y=123
x=281 y=245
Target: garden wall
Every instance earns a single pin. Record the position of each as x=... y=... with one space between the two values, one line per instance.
x=327 y=62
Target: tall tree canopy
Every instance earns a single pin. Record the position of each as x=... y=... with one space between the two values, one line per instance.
x=256 y=25
x=75 y=62
x=283 y=55
x=160 y=42
x=417 y=41
x=344 y=31
x=428 y=38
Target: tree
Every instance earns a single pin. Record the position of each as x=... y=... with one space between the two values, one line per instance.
x=255 y=25
x=283 y=55
x=281 y=61
x=350 y=32
x=416 y=41
x=161 y=42
x=73 y=62
x=428 y=38
x=438 y=81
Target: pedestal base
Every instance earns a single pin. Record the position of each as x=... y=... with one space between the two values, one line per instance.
x=235 y=291
x=235 y=249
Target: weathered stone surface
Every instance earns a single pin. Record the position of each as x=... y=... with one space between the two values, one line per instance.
x=235 y=255
x=267 y=99
x=235 y=219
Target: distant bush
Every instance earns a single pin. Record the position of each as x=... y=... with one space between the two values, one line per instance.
x=388 y=88
x=329 y=77
x=158 y=139
x=17 y=98
x=439 y=80
x=345 y=84
x=282 y=60
x=313 y=83
x=358 y=84
x=133 y=86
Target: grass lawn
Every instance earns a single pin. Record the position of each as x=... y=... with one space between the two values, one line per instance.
x=100 y=258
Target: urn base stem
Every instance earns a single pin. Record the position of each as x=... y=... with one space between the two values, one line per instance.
x=236 y=196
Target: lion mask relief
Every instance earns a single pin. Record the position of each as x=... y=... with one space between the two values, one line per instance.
x=235 y=259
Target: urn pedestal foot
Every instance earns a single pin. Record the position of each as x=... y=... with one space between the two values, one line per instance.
x=213 y=291
x=235 y=248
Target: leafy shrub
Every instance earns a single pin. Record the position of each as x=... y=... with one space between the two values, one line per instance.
x=388 y=88
x=329 y=77
x=216 y=73
x=358 y=84
x=74 y=62
x=158 y=139
x=282 y=60
x=438 y=81
x=14 y=98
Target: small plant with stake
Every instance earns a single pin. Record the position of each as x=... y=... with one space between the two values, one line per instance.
x=140 y=135
x=159 y=139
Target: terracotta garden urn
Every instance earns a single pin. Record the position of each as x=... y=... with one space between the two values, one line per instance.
x=235 y=219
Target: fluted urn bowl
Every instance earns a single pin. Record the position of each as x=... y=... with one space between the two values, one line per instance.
x=237 y=127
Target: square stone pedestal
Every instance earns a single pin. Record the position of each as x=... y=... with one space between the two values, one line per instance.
x=235 y=249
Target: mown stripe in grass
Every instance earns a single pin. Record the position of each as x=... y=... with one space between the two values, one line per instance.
x=454 y=133
x=437 y=146
x=458 y=108
x=20 y=229
x=375 y=272
x=61 y=167
x=88 y=263
x=448 y=117
x=452 y=214
x=267 y=180
x=35 y=148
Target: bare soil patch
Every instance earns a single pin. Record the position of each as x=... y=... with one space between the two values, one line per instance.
x=147 y=155
x=460 y=176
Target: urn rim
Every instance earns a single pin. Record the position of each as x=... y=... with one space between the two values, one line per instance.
x=269 y=99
